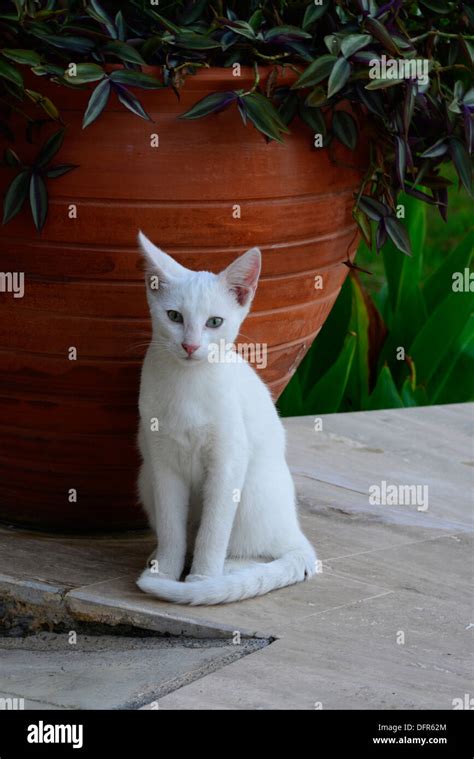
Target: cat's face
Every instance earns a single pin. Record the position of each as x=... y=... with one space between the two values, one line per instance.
x=192 y=311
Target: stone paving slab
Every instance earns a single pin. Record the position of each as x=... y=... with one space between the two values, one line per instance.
x=273 y=615
x=60 y=559
x=426 y=445
x=387 y=571
x=106 y=671
x=348 y=658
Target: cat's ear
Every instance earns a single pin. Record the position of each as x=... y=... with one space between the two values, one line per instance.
x=241 y=276
x=159 y=262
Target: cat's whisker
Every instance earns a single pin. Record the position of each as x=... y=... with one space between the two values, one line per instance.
x=136 y=347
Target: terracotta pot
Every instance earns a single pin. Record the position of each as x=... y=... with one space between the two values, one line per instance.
x=71 y=424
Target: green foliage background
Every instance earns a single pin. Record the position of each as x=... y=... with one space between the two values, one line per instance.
x=355 y=363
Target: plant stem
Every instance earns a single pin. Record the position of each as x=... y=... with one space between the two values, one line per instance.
x=454 y=66
x=271 y=57
x=436 y=33
x=257 y=77
x=367 y=177
x=189 y=64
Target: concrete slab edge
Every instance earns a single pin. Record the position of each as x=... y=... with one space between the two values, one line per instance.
x=28 y=605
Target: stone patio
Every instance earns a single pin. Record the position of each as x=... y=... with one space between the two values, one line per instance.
x=386 y=625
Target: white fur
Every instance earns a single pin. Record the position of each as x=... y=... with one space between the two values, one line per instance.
x=219 y=436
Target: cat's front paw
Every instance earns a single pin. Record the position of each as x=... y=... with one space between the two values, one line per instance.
x=196 y=578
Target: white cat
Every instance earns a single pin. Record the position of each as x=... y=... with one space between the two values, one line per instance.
x=214 y=481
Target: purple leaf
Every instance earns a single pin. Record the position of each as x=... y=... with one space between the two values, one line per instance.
x=401 y=160
x=130 y=101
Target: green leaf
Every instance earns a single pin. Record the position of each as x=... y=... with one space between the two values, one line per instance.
x=217 y=101
x=316 y=97
x=97 y=102
x=60 y=169
x=328 y=345
x=96 y=11
x=264 y=117
x=405 y=307
x=192 y=41
x=439 y=332
x=345 y=129
x=195 y=10
x=300 y=47
x=45 y=103
x=468 y=98
x=382 y=84
x=84 y=72
x=294 y=32
x=269 y=109
x=402 y=271
x=364 y=226
x=407 y=395
x=415 y=223
x=48 y=68
x=385 y=393
x=242 y=28
x=11 y=74
x=440 y=284
x=290 y=402
x=50 y=148
x=314 y=118
x=438 y=149
x=25 y=57
x=38 y=200
x=354 y=42
x=413 y=396
x=380 y=33
x=339 y=75
x=167 y=24
x=359 y=325
x=288 y=107
x=454 y=106
x=120 y=25
x=75 y=44
x=333 y=42
x=438 y=6
x=314 y=12
x=452 y=382
x=316 y=72
x=327 y=394
x=136 y=79
x=15 y=195
x=123 y=51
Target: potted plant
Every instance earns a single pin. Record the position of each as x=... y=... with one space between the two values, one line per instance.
x=212 y=126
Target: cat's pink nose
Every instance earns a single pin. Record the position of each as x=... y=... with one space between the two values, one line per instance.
x=189 y=348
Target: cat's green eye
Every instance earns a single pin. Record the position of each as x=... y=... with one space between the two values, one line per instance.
x=214 y=322
x=175 y=316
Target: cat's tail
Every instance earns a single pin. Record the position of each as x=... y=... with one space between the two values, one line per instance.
x=294 y=566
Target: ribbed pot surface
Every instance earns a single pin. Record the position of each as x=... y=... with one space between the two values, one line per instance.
x=210 y=190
